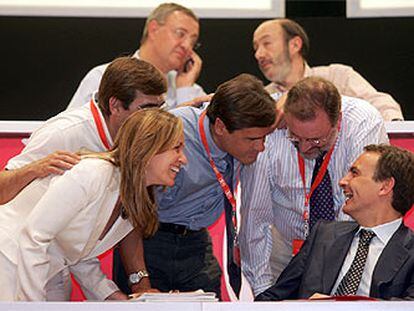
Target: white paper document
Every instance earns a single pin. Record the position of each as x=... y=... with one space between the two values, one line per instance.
x=196 y=296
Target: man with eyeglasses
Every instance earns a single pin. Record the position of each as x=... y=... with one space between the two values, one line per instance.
x=294 y=182
x=127 y=85
x=168 y=42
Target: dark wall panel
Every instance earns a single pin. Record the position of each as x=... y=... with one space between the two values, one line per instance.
x=43 y=59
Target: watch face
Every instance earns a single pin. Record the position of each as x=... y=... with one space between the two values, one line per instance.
x=134 y=278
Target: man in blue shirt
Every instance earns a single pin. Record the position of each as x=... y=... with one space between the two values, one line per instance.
x=231 y=132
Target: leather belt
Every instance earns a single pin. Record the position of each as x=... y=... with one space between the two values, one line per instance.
x=175 y=228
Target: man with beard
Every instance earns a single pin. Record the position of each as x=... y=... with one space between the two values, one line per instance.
x=281 y=48
x=294 y=182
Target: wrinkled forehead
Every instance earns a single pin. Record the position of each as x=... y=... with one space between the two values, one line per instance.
x=312 y=128
x=270 y=29
x=184 y=21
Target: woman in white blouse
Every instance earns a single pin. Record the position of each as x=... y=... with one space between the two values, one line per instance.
x=88 y=210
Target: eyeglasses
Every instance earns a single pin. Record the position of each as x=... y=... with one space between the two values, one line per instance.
x=317 y=142
x=182 y=34
x=151 y=105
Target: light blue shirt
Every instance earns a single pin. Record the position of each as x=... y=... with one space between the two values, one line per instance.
x=273 y=194
x=196 y=200
x=383 y=234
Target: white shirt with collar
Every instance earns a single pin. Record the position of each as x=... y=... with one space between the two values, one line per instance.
x=383 y=234
x=174 y=96
x=69 y=130
x=350 y=83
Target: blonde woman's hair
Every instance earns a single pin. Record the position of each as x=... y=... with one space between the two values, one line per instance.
x=144 y=134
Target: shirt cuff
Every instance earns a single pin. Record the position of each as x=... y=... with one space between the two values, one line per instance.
x=187 y=93
x=261 y=288
x=105 y=289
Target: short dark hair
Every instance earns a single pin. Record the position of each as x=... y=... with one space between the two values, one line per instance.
x=242 y=102
x=397 y=163
x=292 y=29
x=311 y=94
x=127 y=76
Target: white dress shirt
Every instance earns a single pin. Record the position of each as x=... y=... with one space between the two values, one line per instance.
x=351 y=83
x=383 y=234
x=175 y=96
x=69 y=130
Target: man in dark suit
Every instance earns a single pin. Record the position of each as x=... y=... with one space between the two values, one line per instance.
x=373 y=256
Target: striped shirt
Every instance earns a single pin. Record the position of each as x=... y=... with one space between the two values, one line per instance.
x=273 y=195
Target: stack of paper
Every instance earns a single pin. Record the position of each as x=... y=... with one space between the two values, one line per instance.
x=196 y=296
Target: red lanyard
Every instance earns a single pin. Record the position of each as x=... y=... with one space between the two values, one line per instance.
x=224 y=186
x=99 y=125
x=319 y=176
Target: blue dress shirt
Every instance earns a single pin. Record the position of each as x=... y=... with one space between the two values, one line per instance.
x=196 y=200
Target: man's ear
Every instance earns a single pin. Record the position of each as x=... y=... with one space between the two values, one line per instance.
x=114 y=105
x=295 y=45
x=387 y=186
x=153 y=27
x=219 y=127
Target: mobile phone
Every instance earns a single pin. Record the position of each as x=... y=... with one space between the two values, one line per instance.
x=188 y=64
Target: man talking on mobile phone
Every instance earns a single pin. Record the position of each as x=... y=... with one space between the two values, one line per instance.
x=169 y=41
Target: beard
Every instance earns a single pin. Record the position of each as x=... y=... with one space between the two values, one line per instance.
x=283 y=67
x=312 y=154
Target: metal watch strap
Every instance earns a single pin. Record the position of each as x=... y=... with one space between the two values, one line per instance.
x=136 y=277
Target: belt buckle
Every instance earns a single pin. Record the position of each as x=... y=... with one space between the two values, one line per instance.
x=180 y=229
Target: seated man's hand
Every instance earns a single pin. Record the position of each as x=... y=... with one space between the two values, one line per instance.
x=318 y=296
x=55 y=163
x=188 y=75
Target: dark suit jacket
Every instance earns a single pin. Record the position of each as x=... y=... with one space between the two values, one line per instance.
x=316 y=267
